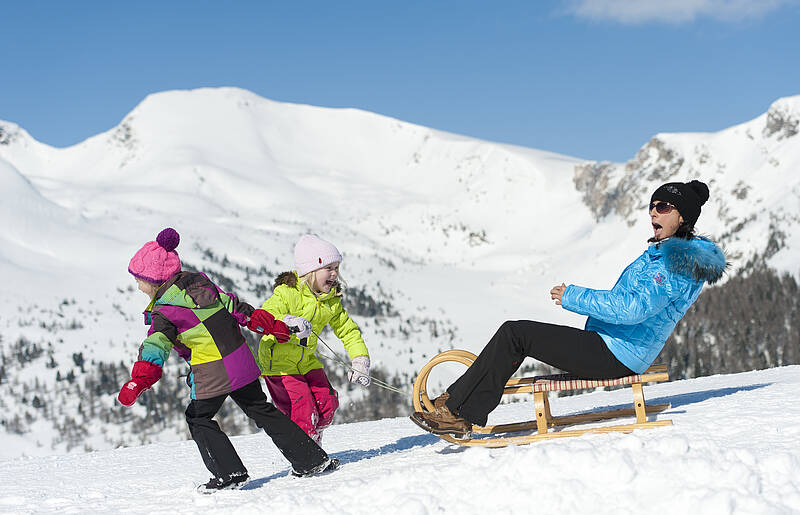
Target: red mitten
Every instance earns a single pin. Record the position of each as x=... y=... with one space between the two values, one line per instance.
x=143 y=376
x=281 y=331
x=263 y=322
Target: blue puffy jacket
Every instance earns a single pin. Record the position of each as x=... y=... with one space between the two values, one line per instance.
x=637 y=315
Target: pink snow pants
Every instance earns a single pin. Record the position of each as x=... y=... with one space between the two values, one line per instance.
x=309 y=400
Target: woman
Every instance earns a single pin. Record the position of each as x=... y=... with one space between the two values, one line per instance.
x=627 y=325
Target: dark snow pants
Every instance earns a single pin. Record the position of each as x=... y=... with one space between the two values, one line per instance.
x=583 y=353
x=216 y=449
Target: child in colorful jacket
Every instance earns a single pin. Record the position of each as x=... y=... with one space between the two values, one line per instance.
x=308 y=299
x=191 y=314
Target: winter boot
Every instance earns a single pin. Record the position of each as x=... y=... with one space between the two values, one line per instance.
x=325 y=467
x=442 y=421
x=232 y=482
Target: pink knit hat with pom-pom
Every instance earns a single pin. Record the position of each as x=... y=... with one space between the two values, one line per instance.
x=157 y=260
x=312 y=253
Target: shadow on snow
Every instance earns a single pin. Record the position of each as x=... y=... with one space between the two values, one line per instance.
x=409 y=442
x=354 y=455
x=675 y=401
x=684 y=399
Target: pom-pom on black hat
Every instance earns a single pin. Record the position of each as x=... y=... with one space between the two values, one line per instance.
x=688 y=197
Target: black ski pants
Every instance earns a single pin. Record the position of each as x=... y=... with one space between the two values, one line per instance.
x=583 y=353
x=216 y=449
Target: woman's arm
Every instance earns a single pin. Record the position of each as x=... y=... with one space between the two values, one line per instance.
x=622 y=307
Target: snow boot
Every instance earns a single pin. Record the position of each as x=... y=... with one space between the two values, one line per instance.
x=325 y=467
x=439 y=401
x=442 y=421
x=232 y=482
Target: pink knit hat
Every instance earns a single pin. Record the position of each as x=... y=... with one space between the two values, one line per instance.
x=157 y=260
x=312 y=253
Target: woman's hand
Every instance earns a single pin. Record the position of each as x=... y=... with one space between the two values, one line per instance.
x=557 y=292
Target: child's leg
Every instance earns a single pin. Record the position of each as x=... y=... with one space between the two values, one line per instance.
x=278 y=394
x=325 y=398
x=294 y=444
x=216 y=450
x=293 y=395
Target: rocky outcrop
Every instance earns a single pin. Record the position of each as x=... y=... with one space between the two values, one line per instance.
x=7 y=134
x=656 y=161
x=782 y=121
x=608 y=188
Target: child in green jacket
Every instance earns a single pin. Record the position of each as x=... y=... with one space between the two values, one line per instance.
x=308 y=299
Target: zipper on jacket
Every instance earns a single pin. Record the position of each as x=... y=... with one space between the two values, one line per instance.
x=271 y=350
x=303 y=352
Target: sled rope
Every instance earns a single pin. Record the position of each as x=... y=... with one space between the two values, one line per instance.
x=377 y=382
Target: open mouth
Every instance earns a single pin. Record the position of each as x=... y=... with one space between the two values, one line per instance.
x=657 y=229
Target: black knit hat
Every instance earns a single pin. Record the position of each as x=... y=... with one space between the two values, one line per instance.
x=688 y=197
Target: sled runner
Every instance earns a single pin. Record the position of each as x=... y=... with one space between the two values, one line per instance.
x=540 y=386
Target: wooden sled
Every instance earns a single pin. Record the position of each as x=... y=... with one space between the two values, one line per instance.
x=540 y=386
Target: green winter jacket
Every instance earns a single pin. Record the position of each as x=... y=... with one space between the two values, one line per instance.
x=288 y=298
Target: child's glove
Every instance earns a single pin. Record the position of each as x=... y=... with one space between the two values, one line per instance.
x=263 y=322
x=303 y=326
x=359 y=372
x=143 y=376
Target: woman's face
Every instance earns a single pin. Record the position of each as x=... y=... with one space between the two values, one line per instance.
x=325 y=277
x=665 y=219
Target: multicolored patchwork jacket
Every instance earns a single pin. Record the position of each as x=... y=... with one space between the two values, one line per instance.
x=191 y=314
x=291 y=297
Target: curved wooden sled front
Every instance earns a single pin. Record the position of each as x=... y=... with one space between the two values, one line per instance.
x=540 y=386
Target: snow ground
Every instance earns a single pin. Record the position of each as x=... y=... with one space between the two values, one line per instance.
x=733 y=448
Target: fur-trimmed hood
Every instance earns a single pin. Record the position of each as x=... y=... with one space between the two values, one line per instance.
x=287 y=278
x=698 y=258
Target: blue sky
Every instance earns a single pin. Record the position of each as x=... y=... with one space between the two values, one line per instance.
x=588 y=78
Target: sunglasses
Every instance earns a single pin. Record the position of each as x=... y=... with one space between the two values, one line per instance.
x=661 y=207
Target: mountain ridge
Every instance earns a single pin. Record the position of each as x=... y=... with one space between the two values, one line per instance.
x=450 y=235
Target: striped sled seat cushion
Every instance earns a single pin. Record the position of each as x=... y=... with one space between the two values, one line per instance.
x=568 y=382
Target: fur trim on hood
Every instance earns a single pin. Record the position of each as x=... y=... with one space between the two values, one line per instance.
x=287 y=278
x=698 y=258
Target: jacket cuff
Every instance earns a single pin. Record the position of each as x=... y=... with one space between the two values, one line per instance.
x=569 y=300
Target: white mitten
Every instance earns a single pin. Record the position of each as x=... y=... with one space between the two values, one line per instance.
x=302 y=325
x=360 y=371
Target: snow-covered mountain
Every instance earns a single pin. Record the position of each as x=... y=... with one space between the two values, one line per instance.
x=749 y=168
x=443 y=236
x=732 y=448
